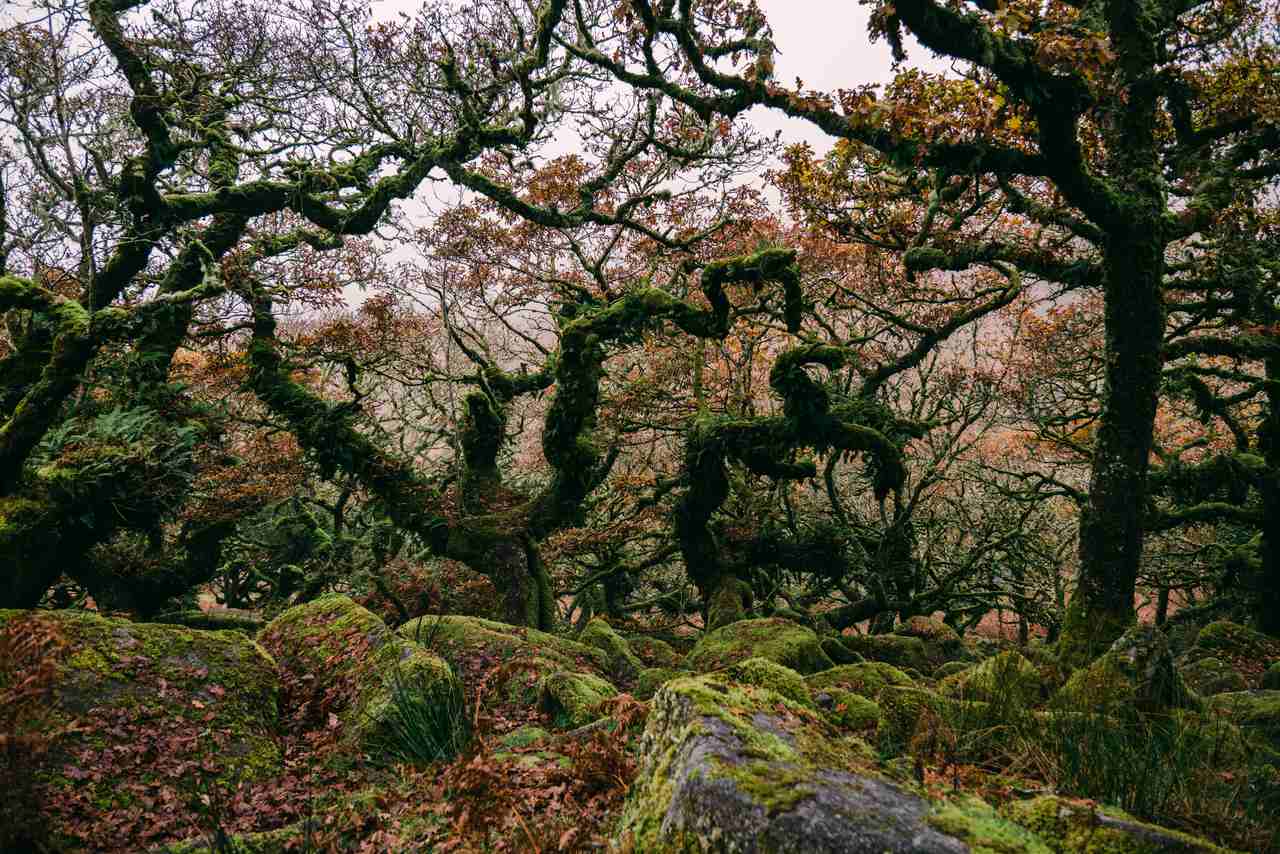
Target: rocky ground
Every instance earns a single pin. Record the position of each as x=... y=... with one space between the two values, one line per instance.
x=326 y=730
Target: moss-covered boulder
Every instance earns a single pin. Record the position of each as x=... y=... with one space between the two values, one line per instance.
x=624 y=664
x=1271 y=678
x=764 y=673
x=905 y=711
x=1004 y=678
x=338 y=658
x=942 y=643
x=653 y=678
x=838 y=652
x=654 y=652
x=740 y=768
x=1255 y=711
x=573 y=699
x=776 y=639
x=847 y=710
x=1138 y=669
x=951 y=668
x=459 y=638
x=1209 y=676
x=146 y=711
x=1073 y=827
x=898 y=650
x=866 y=679
x=1236 y=640
x=510 y=661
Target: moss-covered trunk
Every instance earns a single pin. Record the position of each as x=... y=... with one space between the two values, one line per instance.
x=1111 y=523
x=1267 y=601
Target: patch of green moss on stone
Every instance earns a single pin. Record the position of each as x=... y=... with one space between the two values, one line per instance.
x=345 y=651
x=1209 y=676
x=148 y=701
x=456 y=638
x=1238 y=641
x=1256 y=711
x=768 y=674
x=623 y=663
x=573 y=699
x=898 y=650
x=847 y=710
x=866 y=678
x=653 y=678
x=778 y=640
x=654 y=652
x=1006 y=678
x=984 y=830
x=1071 y=827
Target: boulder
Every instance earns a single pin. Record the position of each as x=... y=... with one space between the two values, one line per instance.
x=846 y=709
x=905 y=711
x=740 y=768
x=941 y=642
x=459 y=638
x=776 y=639
x=898 y=650
x=1004 y=678
x=340 y=659
x=624 y=664
x=522 y=657
x=1138 y=669
x=867 y=679
x=653 y=678
x=1082 y=827
x=951 y=668
x=1235 y=640
x=145 y=710
x=1209 y=676
x=764 y=673
x=654 y=652
x=1256 y=711
x=573 y=699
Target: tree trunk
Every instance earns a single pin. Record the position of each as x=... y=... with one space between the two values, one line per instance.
x=1267 y=598
x=1111 y=524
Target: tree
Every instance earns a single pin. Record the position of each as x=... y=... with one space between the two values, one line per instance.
x=1115 y=132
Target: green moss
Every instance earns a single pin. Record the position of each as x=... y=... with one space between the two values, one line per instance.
x=1256 y=711
x=847 y=710
x=1137 y=669
x=1271 y=678
x=904 y=710
x=573 y=699
x=525 y=736
x=1238 y=641
x=898 y=650
x=456 y=638
x=1070 y=827
x=780 y=641
x=951 y=668
x=654 y=652
x=1209 y=676
x=768 y=674
x=623 y=663
x=866 y=679
x=346 y=653
x=148 y=701
x=653 y=678
x=985 y=831
x=1007 y=678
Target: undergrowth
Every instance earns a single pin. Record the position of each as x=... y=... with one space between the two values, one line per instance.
x=423 y=726
x=1178 y=769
